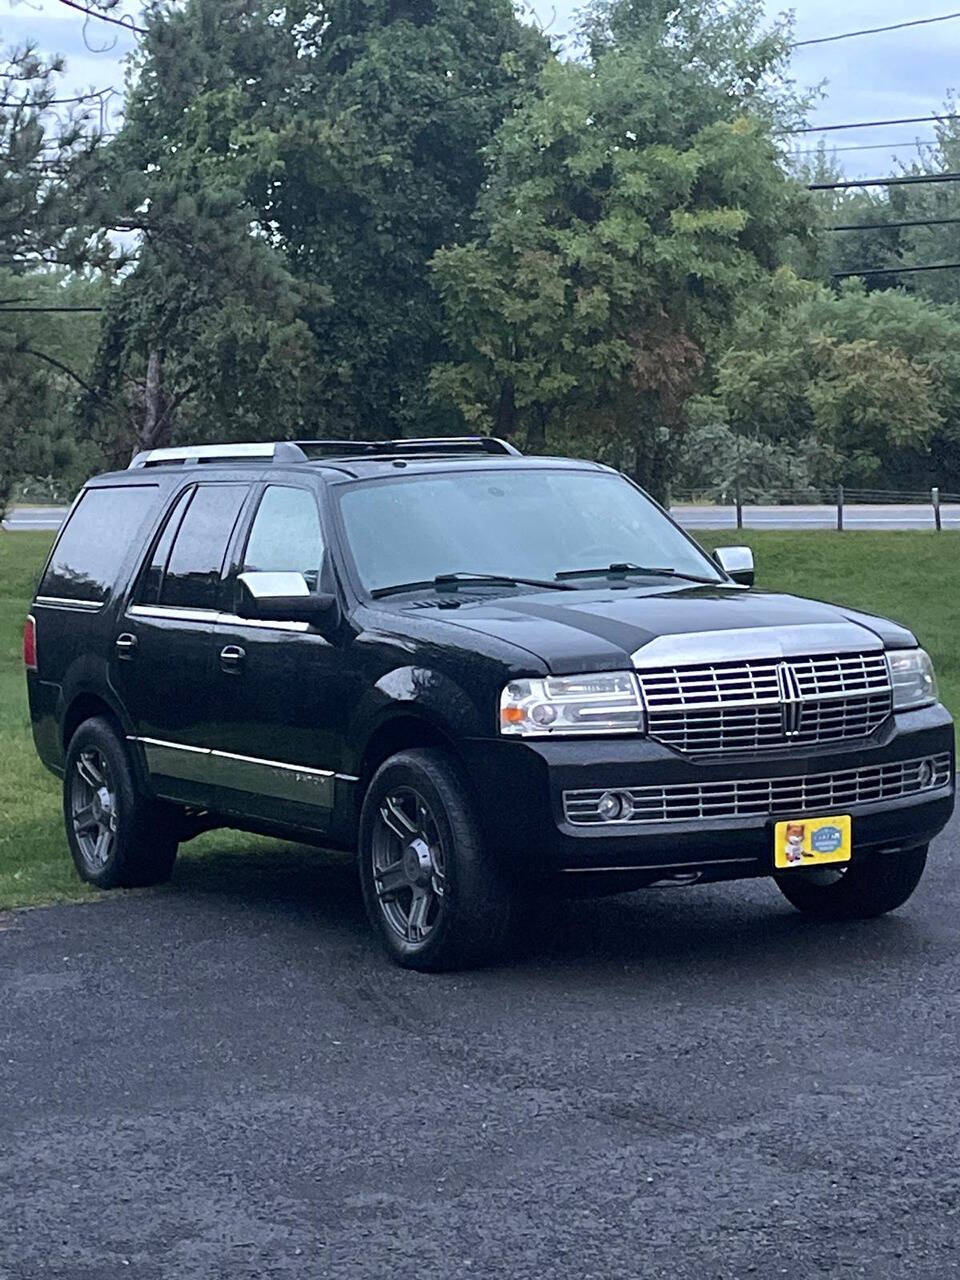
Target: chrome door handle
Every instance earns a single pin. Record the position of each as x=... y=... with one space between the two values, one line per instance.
x=231 y=658
x=126 y=645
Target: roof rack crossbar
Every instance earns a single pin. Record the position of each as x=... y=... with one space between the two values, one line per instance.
x=284 y=451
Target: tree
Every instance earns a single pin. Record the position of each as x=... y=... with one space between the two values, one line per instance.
x=43 y=157
x=291 y=172
x=867 y=380
x=628 y=206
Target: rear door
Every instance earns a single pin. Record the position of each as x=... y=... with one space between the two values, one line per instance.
x=164 y=663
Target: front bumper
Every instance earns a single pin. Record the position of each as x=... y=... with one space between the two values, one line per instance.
x=520 y=787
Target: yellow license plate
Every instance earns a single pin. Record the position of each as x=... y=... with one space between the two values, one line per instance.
x=812 y=842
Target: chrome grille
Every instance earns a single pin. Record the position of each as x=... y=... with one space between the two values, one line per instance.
x=764 y=797
x=768 y=703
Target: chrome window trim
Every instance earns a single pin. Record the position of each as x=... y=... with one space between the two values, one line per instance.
x=172 y=613
x=62 y=602
x=261 y=624
x=175 y=613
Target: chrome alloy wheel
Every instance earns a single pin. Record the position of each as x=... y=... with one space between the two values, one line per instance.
x=93 y=809
x=408 y=865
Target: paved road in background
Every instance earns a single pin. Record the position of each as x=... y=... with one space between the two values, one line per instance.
x=907 y=516
x=693 y=517
x=225 y=1079
x=36 y=518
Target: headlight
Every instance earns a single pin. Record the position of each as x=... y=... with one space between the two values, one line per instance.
x=914 y=684
x=608 y=702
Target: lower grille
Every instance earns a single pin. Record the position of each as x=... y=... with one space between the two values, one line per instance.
x=763 y=797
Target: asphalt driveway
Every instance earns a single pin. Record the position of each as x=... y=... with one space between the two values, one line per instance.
x=225 y=1079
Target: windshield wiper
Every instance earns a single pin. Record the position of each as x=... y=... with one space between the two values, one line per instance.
x=628 y=570
x=451 y=581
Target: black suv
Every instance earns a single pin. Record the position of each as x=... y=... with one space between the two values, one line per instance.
x=486 y=672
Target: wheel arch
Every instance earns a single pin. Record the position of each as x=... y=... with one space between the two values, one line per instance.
x=86 y=705
x=403 y=731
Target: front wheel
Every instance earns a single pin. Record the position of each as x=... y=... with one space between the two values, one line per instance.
x=433 y=893
x=857 y=890
x=119 y=837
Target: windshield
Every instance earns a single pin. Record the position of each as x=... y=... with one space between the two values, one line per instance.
x=531 y=523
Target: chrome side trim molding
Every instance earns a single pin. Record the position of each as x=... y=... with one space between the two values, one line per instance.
x=275 y=778
x=656 y=866
x=61 y=602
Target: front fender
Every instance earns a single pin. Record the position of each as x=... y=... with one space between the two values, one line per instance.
x=420 y=691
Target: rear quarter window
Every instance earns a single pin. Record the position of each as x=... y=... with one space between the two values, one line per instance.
x=90 y=552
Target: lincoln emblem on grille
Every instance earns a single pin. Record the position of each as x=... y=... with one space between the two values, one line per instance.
x=791 y=701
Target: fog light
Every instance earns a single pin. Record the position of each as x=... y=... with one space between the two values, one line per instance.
x=925 y=775
x=612 y=806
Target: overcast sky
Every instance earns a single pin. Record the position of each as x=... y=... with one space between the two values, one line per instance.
x=902 y=73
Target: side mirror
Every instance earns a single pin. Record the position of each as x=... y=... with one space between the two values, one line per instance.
x=737 y=563
x=286 y=597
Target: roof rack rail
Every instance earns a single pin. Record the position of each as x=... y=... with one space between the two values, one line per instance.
x=392 y=448
x=305 y=450
x=187 y=455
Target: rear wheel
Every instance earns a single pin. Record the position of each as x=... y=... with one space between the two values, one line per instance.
x=858 y=890
x=119 y=838
x=434 y=894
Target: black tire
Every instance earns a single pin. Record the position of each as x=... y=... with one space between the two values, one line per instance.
x=124 y=839
x=865 y=889
x=474 y=907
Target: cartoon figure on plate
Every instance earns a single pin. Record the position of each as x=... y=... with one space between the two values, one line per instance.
x=795 y=834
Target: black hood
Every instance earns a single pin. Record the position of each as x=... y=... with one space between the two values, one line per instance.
x=606 y=629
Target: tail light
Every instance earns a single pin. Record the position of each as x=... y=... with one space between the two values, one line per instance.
x=30 y=643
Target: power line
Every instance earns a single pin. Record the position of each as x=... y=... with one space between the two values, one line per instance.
x=895 y=271
x=889 y=226
x=873 y=31
x=908 y=181
x=873 y=146
x=15 y=311
x=871 y=124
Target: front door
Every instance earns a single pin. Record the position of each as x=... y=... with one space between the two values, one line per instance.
x=278 y=683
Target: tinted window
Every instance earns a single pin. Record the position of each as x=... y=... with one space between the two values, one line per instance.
x=152 y=579
x=89 y=556
x=286 y=537
x=192 y=579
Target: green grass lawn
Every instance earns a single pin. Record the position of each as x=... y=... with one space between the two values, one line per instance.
x=35 y=865
x=912 y=577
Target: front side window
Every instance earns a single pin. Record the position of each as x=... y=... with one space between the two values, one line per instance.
x=194 y=569
x=534 y=523
x=89 y=554
x=285 y=536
